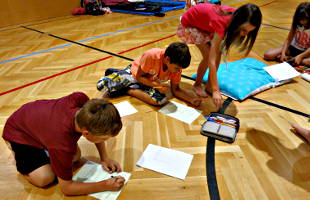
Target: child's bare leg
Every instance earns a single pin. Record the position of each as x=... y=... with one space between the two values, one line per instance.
x=208 y=84
x=305 y=62
x=272 y=54
x=143 y=96
x=41 y=176
x=301 y=131
x=198 y=88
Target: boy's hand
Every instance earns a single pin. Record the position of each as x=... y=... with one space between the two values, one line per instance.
x=217 y=99
x=111 y=165
x=196 y=101
x=114 y=184
x=163 y=88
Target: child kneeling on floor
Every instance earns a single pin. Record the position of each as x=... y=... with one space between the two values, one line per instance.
x=43 y=136
x=146 y=78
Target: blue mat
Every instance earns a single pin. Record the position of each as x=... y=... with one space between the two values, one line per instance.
x=243 y=78
x=165 y=5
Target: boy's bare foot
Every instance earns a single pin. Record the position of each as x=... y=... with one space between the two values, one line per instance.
x=301 y=131
x=199 y=91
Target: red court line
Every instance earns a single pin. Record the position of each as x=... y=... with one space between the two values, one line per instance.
x=78 y=67
x=267 y=3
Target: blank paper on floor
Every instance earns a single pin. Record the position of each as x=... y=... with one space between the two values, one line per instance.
x=125 y=108
x=93 y=172
x=181 y=112
x=167 y=161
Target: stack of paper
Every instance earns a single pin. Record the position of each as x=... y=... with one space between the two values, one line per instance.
x=167 y=161
x=93 y=172
x=282 y=71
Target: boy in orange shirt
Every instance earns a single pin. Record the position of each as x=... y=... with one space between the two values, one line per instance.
x=146 y=77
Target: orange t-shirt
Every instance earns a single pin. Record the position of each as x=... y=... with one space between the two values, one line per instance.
x=151 y=62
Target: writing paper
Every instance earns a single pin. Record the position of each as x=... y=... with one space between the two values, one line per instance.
x=167 y=161
x=125 y=108
x=181 y=112
x=93 y=172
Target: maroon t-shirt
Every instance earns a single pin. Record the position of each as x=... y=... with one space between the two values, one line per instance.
x=49 y=124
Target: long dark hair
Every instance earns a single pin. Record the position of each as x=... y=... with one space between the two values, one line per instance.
x=302 y=12
x=247 y=13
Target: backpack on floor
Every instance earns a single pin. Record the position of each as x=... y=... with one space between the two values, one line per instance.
x=92 y=7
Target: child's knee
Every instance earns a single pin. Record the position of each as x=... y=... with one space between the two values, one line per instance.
x=41 y=177
x=267 y=56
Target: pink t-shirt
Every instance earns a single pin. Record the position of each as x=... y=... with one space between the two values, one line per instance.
x=207 y=17
x=301 y=39
x=151 y=62
x=49 y=124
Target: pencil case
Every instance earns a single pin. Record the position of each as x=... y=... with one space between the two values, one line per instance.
x=221 y=127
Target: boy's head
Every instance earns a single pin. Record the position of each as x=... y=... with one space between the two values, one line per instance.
x=100 y=118
x=178 y=55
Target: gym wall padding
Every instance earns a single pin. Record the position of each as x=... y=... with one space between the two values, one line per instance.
x=14 y=12
x=174 y=5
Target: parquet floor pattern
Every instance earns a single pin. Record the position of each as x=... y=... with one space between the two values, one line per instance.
x=266 y=161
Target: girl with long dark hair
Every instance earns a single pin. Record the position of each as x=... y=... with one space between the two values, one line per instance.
x=214 y=29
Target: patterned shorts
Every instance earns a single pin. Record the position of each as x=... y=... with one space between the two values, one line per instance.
x=193 y=35
x=118 y=82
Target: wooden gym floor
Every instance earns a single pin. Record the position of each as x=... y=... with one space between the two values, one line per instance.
x=266 y=161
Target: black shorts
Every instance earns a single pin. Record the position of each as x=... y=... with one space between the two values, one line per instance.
x=29 y=158
x=292 y=51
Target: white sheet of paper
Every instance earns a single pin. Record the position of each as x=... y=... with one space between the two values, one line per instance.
x=167 y=161
x=282 y=71
x=93 y=172
x=306 y=76
x=125 y=108
x=181 y=112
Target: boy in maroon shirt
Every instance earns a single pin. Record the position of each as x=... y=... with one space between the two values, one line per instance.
x=43 y=135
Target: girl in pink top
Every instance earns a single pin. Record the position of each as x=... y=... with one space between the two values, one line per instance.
x=213 y=29
x=296 y=46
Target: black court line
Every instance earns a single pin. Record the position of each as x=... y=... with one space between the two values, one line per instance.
x=267 y=102
x=210 y=159
x=84 y=45
x=210 y=164
x=210 y=149
x=280 y=107
x=279 y=27
x=184 y=76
